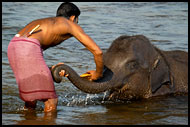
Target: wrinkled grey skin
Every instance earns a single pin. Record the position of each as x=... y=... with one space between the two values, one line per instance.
x=133 y=69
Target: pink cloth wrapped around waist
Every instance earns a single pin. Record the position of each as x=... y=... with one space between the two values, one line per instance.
x=31 y=72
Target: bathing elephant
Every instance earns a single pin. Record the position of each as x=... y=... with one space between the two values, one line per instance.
x=133 y=69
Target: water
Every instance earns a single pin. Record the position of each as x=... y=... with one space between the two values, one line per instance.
x=165 y=24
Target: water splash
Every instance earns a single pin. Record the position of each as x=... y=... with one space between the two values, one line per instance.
x=105 y=93
x=83 y=99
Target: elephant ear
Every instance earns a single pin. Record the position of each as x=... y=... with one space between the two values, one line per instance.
x=160 y=74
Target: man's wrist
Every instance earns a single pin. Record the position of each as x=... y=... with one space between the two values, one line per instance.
x=99 y=73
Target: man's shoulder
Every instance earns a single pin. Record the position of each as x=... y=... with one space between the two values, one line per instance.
x=52 y=19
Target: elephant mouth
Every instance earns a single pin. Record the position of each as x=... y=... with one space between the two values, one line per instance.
x=107 y=75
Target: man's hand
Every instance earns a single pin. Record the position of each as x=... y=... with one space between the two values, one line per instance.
x=62 y=72
x=94 y=75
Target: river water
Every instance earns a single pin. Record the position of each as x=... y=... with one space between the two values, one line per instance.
x=165 y=24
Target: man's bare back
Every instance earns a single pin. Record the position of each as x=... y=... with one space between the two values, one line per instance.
x=52 y=31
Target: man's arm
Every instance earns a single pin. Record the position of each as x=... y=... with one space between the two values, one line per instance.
x=81 y=36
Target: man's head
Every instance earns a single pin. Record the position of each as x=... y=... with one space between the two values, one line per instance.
x=68 y=10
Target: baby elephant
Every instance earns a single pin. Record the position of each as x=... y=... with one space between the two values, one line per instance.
x=134 y=69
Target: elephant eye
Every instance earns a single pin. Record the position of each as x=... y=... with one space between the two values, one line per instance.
x=132 y=65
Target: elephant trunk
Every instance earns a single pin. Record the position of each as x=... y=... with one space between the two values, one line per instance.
x=81 y=83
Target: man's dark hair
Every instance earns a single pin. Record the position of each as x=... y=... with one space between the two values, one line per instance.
x=68 y=9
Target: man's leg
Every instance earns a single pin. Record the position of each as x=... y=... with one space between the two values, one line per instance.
x=30 y=104
x=50 y=105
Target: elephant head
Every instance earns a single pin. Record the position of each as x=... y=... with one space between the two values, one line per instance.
x=133 y=68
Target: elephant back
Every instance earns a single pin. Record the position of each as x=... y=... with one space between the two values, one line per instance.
x=178 y=62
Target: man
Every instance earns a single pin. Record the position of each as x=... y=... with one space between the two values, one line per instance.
x=26 y=58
